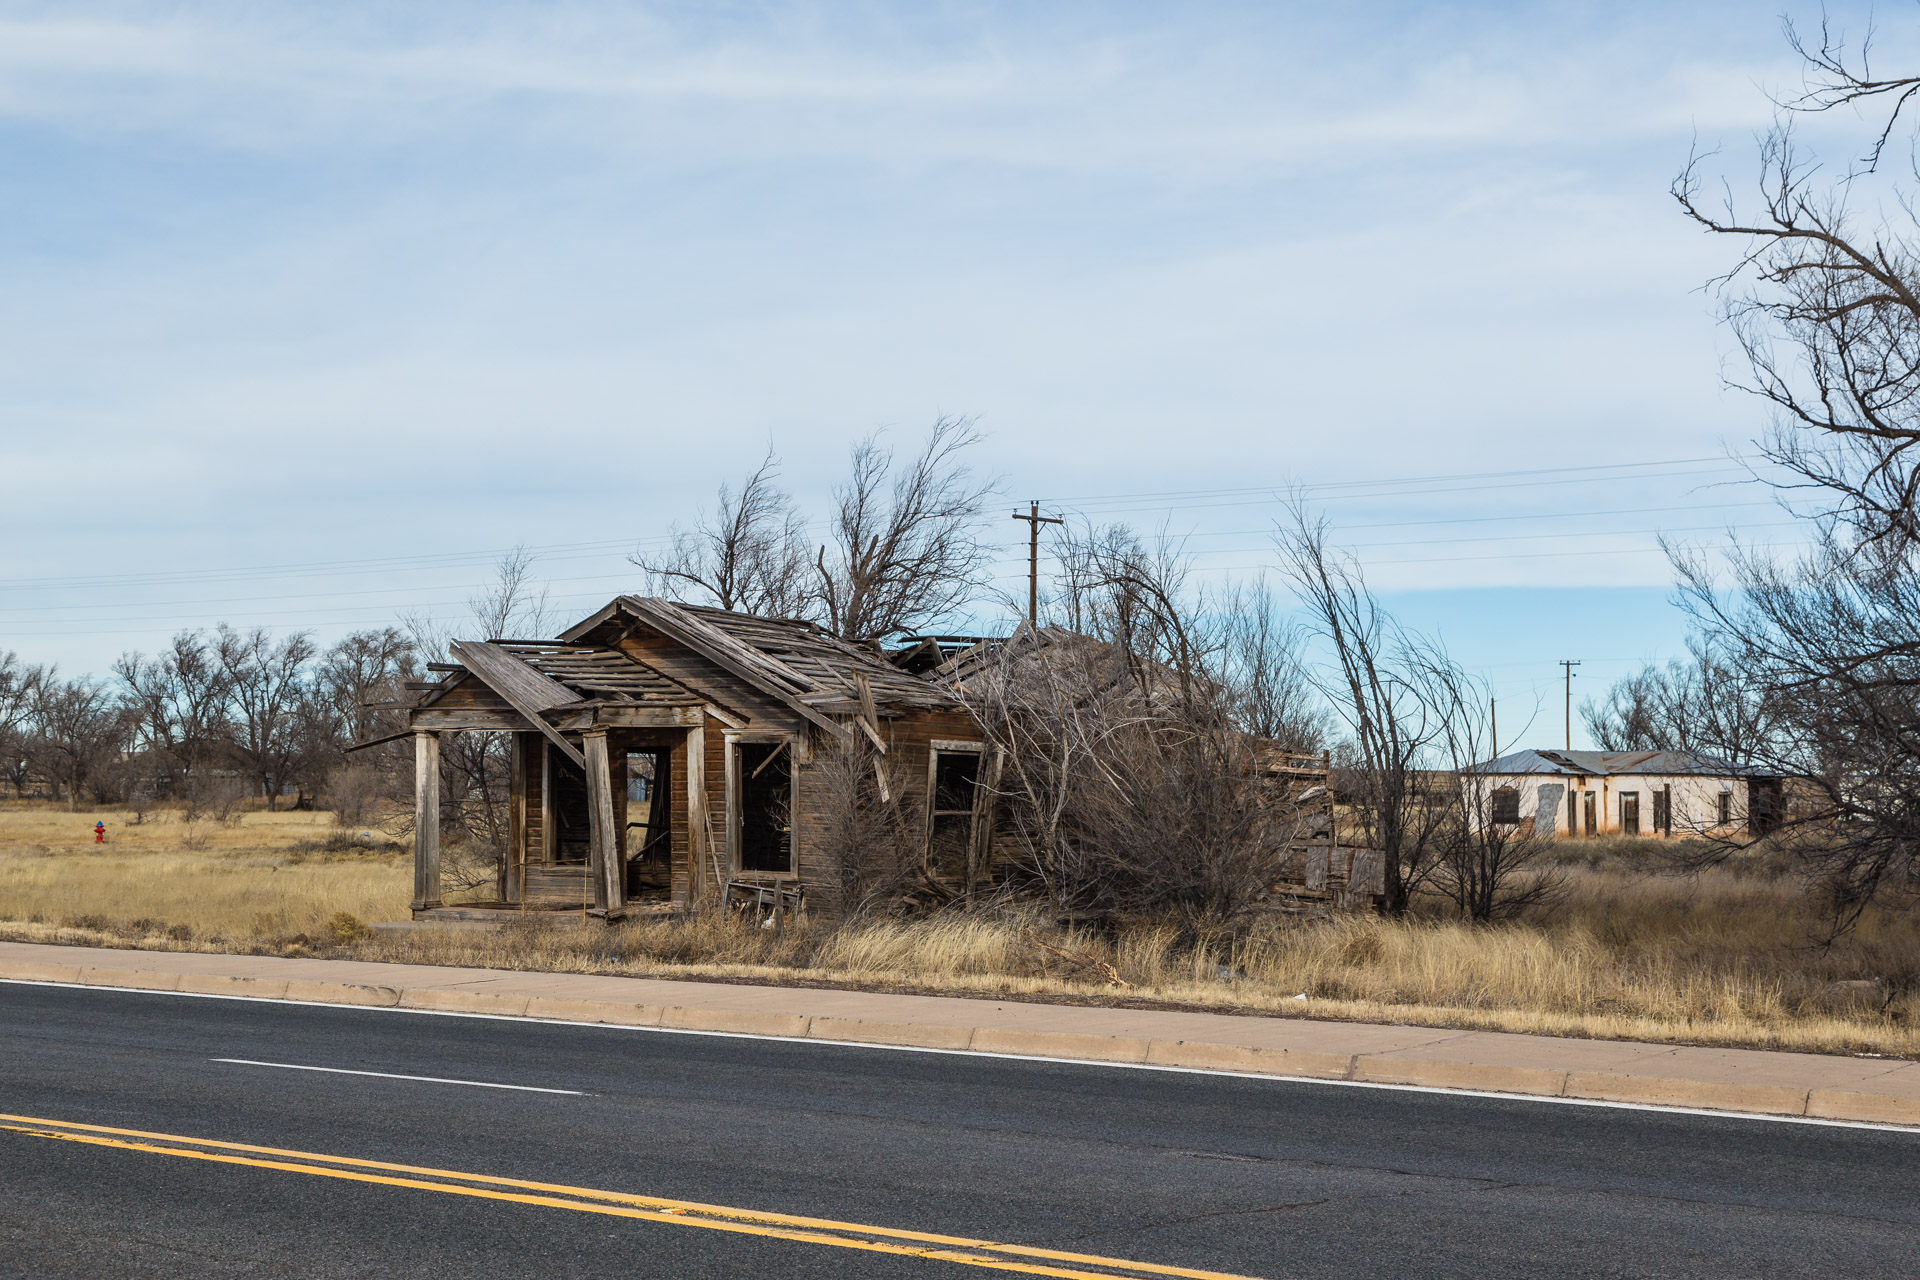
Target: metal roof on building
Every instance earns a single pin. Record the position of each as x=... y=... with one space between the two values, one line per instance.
x=1601 y=764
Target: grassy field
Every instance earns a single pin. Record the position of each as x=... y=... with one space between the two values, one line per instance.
x=261 y=880
x=1728 y=957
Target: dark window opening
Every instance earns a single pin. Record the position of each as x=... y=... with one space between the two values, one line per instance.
x=1765 y=805
x=1593 y=814
x=572 y=834
x=1724 y=813
x=1506 y=807
x=1630 y=813
x=1663 y=811
x=766 y=807
x=956 y=777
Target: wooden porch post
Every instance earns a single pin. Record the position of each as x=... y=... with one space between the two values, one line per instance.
x=426 y=819
x=512 y=874
x=607 y=868
x=698 y=847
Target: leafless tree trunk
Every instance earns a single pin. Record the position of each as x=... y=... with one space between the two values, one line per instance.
x=904 y=546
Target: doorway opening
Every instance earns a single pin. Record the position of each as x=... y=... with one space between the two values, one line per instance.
x=648 y=839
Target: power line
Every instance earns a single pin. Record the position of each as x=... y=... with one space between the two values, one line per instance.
x=1425 y=478
x=1178 y=500
x=1354 y=489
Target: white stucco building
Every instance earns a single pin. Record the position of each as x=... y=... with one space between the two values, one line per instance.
x=1634 y=793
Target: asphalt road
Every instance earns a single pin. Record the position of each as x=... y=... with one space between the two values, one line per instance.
x=1264 y=1178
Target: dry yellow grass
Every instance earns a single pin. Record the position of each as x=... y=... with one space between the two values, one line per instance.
x=1725 y=958
x=243 y=882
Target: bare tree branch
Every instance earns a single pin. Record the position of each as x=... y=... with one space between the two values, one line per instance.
x=749 y=556
x=904 y=549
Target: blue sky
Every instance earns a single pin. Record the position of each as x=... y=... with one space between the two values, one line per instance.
x=310 y=310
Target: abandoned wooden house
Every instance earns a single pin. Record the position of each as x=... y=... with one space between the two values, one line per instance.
x=665 y=754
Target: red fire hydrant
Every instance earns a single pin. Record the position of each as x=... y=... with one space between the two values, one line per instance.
x=99 y=833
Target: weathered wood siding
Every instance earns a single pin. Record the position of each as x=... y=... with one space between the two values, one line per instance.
x=909 y=738
x=682 y=864
x=533 y=847
x=470 y=695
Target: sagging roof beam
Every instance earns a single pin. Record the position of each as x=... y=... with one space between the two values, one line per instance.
x=525 y=690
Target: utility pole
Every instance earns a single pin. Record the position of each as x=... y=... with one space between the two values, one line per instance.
x=1569 y=665
x=1493 y=714
x=1034 y=520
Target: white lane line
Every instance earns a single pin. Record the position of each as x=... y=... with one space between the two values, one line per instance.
x=388 y=1075
x=1601 y=1103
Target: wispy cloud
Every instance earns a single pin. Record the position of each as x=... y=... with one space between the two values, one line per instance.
x=271 y=265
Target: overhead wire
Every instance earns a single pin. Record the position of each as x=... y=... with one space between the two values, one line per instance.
x=1171 y=500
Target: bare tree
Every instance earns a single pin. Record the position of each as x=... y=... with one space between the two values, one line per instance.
x=178 y=704
x=19 y=686
x=865 y=829
x=341 y=706
x=1490 y=869
x=75 y=730
x=904 y=547
x=749 y=556
x=267 y=683
x=509 y=606
x=363 y=668
x=1273 y=696
x=1381 y=687
x=1709 y=703
x=1824 y=300
x=1842 y=289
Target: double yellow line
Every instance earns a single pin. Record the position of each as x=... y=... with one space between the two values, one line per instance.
x=990 y=1254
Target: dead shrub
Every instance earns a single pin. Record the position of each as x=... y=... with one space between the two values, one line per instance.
x=865 y=830
x=344 y=927
x=357 y=794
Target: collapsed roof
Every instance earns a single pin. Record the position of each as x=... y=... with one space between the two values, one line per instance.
x=648 y=652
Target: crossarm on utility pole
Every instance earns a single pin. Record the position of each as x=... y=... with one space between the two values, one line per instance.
x=1034 y=520
x=1569 y=665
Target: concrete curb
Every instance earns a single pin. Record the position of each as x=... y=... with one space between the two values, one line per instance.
x=1402 y=1068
